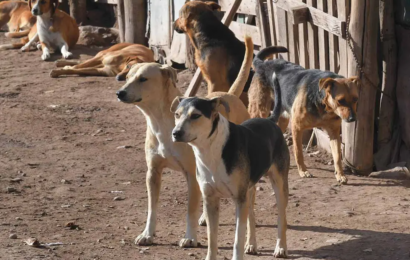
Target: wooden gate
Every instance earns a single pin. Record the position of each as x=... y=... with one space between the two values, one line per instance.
x=314 y=31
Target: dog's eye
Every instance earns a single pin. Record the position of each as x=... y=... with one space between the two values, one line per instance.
x=342 y=102
x=142 y=79
x=128 y=66
x=42 y=2
x=195 y=116
x=355 y=100
x=177 y=115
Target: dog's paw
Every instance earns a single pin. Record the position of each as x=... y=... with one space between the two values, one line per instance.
x=54 y=74
x=305 y=174
x=188 y=242
x=280 y=252
x=39 y=47
x=341 y=179
x=67 y=55
x=202 y=221
x=250 y=249
x=144 y=240
x=45 y=56
x=25 y=48
x=67 y=67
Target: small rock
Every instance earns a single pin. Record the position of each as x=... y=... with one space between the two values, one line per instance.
x=259 y=188
x=18 y=218
x=191 y=254
x=126 y=228
x=118 y=198
x=126 y=183
x=13 y=236
x=16 y=180
x=32 y=242
x=65 y=181
x=124 y=147
x=368 y=250
x=304 y=239
x=349 y=213
x=330 y=163
x=97 y=132
x=297 y=204
x=10 y=190
x=66 y=206
x=71 y=225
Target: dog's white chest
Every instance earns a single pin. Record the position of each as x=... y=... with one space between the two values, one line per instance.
x=53 y=39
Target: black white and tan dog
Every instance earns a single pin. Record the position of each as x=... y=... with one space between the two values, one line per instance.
x=218 y=53
x=230 y=159
x=151 y=87
x=311 y=98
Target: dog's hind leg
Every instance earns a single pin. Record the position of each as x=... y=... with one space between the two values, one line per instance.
x=194 y=196
x=153 y=180
x=242 y=210
x=212 y=220
x=251 y=247
x=279 y=181
x=106 y=72
x=335 y=145
x=297 y=133
x=63 y=63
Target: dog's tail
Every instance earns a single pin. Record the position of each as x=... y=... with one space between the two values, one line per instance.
x=264 y=54
x=240 y=81
x=277 y=109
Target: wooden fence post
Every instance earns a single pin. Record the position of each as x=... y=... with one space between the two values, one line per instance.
x=135 y=21
x=78 y=10
x=121 y=19
x=359 y=136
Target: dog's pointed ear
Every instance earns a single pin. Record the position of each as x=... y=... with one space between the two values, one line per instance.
x=175 y=104
x=169 y=73
x=326 y=83
x=356 y=80
x=54 y=6
x=214 y=6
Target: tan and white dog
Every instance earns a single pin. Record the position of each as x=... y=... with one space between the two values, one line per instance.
x=17 y=16
x=55 y=28
x=151 y=87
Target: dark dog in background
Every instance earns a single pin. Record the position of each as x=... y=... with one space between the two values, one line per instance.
x=218 y=53
x=312 y=98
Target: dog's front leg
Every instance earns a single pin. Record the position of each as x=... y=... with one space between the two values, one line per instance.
x=251 y=247
x=335 y=146
x=194 y=196
x=241 y=217
x=46 y=51
x=297 y=148
x=212 y=224
x=64 y=51
x=154 y=186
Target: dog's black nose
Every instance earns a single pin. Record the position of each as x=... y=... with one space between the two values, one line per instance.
x=35 y=11
x=121 y=94
x=351 y=118
x=120 y=77
x=177 y=134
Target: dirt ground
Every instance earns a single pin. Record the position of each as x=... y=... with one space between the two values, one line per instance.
x=61 y=137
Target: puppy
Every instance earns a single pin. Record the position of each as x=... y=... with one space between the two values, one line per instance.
x=56 y=29
x=230 y=160
x=151 y=87
x=312 y=98
x=17 y=16
x=115 y=61
x=218 y=53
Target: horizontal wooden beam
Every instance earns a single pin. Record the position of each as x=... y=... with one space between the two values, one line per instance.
x=241 y=29
x=247 y=7
x=319 y=18
x=298 y=14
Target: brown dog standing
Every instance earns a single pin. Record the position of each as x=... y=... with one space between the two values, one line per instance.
x=313 y=98
x=218 y=53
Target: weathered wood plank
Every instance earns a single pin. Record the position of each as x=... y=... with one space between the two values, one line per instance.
x=313 y=41
x=262 y=24
x=318 y=17
x=196 y=80
x=358 y=136
x=303 y=37
x=389 y=47
x=272 y=23
x=241 y=29
x=323 y=37
x=247 y=7
x=293 y=34
x=333 y=41
x=342 y=13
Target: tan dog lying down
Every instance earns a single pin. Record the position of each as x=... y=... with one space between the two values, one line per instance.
x=17 y=16
x=151 y=87
x=115 y=61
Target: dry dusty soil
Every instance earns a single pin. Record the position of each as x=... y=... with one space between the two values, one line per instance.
x=61 y=138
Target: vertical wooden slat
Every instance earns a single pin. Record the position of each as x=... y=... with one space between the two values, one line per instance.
x=281 y=29
x=272 y=23
x=303 y=43
x=313 y=41
x=342 y=13
x=333 y=41
x=293 y=39
x=323 y=40
x=262 y=23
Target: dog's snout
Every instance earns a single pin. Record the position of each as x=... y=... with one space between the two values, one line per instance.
x=177 y=134
x=35 y=11
x=120 y=78
x=121 y=94
x=351 y=118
